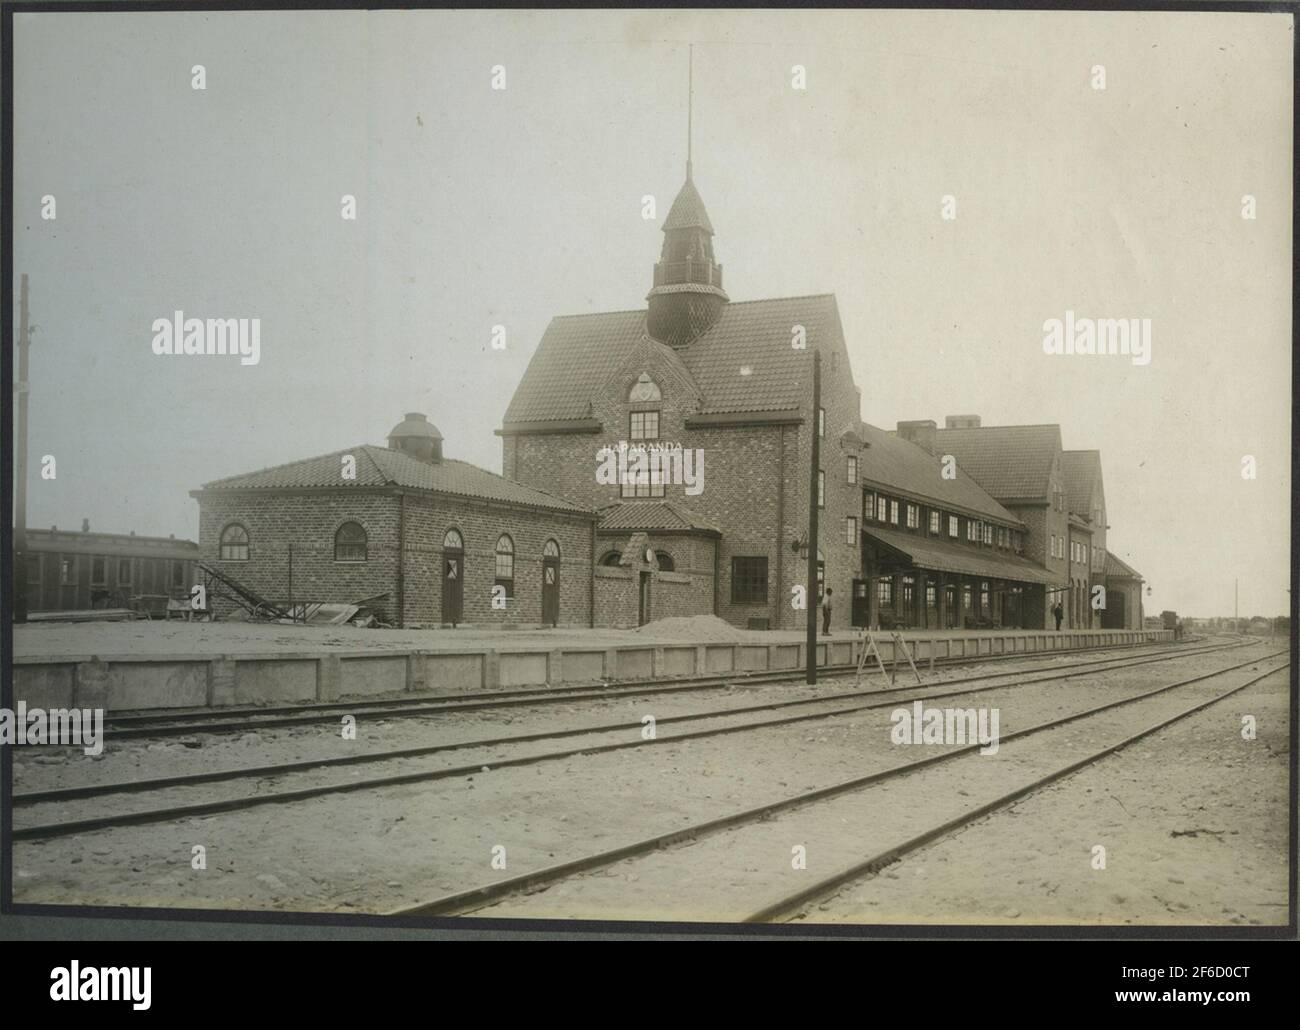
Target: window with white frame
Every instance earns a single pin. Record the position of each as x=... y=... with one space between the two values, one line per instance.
x=851 y=469
x=851 y=531
x=934 y=522
x=913 y=517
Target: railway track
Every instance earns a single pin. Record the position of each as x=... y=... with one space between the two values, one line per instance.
x=124 y=727
x=629 y=738
x=493 y=894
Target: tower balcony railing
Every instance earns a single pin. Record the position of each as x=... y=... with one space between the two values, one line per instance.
x=673 y=273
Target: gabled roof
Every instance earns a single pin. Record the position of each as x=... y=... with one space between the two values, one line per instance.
x=743 y=363
x=380 y=467
x=1116 y=569
x=1082 y=471
x=651 y=516
x=1010 y=462
x=688 y=211
x=890 y=462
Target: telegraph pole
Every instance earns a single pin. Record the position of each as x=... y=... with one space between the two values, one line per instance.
x=20 y=491
x=811 y=674
x=1236 y=617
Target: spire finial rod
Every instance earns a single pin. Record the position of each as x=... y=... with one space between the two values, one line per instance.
x=690 y=103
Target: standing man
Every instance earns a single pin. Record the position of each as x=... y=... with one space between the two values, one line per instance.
x=1059 y=612
x=826 y=612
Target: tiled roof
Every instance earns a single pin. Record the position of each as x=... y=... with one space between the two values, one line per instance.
x=892 y=462
x=654 y=515
x=927 y=552
x=578 y=354
x=688 y=211
x=1116 y=569
x=379 y=466
x=1010 y=462
x=1081 y=470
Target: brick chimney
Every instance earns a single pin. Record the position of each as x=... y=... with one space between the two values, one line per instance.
x=920 y=432
x=85 y=525
x=961 y=422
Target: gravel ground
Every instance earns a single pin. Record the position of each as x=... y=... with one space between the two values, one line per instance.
x=379 y=850
x=1193 y=820
x=730 y=875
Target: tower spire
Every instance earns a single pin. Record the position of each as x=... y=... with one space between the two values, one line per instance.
x=690 y=103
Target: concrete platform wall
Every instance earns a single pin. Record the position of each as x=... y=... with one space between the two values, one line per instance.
x=189 y=681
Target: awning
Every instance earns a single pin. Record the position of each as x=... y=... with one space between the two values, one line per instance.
x=935 y=554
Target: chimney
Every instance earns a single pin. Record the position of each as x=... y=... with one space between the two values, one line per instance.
x=961 y=422
x=85 y=525
x=920 y=432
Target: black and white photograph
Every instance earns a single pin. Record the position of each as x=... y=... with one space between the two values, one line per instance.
x=775 y=471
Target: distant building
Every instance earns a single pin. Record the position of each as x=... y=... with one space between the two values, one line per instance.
x=1123 y=596
x=74 y=571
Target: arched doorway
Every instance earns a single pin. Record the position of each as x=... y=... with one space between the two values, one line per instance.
x=551 y=583
x=453 y=577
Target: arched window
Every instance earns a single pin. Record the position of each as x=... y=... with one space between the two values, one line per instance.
x=612 y=560
x=551 y=549
x=506 y=564
x=350 y=542
x=665 y=560
x=452 y=541
x=234 y=543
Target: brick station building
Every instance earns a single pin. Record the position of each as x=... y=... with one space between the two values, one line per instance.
x=899 y=541
x=967 y=526
x=433 y=534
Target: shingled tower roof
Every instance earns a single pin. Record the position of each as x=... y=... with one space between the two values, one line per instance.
x=688 y=211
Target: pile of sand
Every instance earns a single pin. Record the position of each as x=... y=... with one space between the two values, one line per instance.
x=702 y=628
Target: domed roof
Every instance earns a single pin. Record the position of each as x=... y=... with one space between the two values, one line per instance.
x=415 y=424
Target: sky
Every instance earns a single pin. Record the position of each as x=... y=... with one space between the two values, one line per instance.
x=479 y=207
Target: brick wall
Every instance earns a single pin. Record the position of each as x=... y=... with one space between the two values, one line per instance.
x=481 y=526
x=617 y=603
x=755 y=477
x=308 y=522
x=1042 y=521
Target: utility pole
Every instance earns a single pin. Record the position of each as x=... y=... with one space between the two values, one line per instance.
x=813 y=483
x=20 y=491
x=1236 y=617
